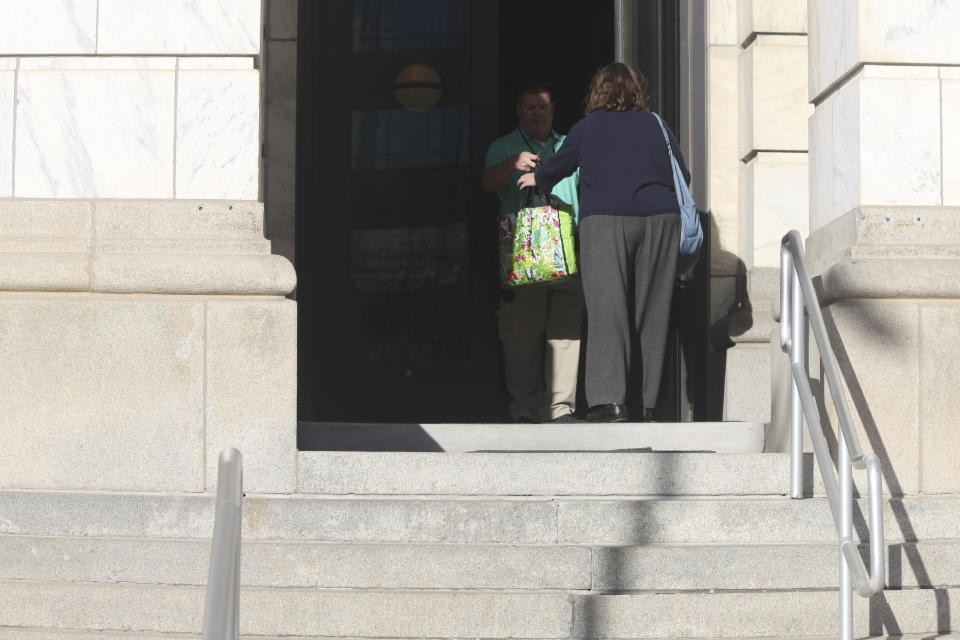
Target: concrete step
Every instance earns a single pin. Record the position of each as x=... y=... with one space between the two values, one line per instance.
x=747 y=520
x=48 y=634
x=299 y=564
x=722 y=437
x=698 y=520
x=472 y=614
x=283 y=612
x=666 y=568
x=763 y=614
x=549 y=474
x=432 y=566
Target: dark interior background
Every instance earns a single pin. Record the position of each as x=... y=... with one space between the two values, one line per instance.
x=562 y=43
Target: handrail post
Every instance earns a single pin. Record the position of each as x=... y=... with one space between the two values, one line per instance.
x=798 y=348
x=845 y=473
x=222 y=608
x=236 y=587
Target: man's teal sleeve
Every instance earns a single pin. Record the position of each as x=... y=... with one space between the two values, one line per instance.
x=495 y=154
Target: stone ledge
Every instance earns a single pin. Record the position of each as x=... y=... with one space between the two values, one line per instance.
x=192 y=274
x=139 y=246
x=47 y=271
x=882 y=231
x=891 y=278
x=888 y=252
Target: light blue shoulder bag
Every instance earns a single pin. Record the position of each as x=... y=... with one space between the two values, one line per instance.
x=691 y=233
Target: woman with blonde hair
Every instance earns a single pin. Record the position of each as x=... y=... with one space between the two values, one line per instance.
x=629 y=236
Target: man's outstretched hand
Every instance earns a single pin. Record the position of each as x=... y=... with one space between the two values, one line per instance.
x=526 y=161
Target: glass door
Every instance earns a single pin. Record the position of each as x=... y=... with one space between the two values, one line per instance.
x=397 y=324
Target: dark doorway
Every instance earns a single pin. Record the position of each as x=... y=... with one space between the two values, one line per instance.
x=396 y=242
x=560 y=43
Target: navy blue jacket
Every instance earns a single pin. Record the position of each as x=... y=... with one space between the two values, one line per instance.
x=624 y=166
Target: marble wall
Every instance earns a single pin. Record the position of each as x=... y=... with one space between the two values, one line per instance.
x=885 y=82
x=129 y=27
x=770 y=16
x=758 y=80
x=774 y=197
x=845 y=35
x=129 y=99
x=773 y=127
x=7 y=84
x=66 y=27
x=888 y=136
x=773 y=94
x=723 y=109
x=950 y=134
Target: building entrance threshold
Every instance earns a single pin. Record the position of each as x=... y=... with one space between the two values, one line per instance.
x=721 y=437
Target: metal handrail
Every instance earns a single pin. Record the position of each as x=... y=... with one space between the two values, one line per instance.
x=222 y=611
x=796 y=294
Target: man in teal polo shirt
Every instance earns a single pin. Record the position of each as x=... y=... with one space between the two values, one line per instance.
x=539 y=323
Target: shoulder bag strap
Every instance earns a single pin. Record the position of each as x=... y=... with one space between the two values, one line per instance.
x=536 y=190
x=663 y=129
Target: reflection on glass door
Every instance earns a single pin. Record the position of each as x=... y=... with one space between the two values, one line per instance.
x=410 y=117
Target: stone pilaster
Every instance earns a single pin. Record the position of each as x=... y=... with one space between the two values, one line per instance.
x=772 y=188
x=885 y=230
x=142 y=316
x=723 y=109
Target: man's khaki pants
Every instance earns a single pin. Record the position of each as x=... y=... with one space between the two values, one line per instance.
x=540 y=333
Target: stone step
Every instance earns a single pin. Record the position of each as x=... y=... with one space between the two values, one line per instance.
x=291 y=611
x=697 y=520
x=763 y=567
x=431 y=566
x=299 y=564
x=721 y=437
x=50 y=634
x=542 y=473
x=472 y=614
x=763 y=614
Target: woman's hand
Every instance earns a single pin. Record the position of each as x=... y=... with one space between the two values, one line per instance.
x=527 y=180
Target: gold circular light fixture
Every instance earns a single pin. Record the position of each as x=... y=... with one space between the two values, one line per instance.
x=418 y=87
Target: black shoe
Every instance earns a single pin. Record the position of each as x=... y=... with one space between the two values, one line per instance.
x=647 y=415
x=524 y=420
x=567 y=418
x=614 y=412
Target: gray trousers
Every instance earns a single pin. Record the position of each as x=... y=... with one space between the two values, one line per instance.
x=628 y=272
